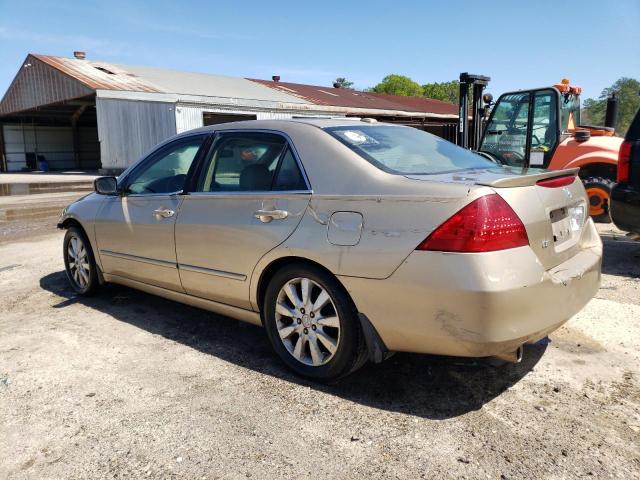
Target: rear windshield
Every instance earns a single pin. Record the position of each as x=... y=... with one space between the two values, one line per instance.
x=406 y=150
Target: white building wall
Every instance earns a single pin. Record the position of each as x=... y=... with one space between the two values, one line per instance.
x=127 y=129
x=189 y=117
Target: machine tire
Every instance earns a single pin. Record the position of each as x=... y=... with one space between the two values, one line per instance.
x=599 y=193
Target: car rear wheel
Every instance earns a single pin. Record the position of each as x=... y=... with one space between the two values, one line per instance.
x=312 y=323
x=599 y=193
x=79 y=262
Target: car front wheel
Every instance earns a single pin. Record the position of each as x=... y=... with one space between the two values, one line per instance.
x=312 y=323
x=79 y=262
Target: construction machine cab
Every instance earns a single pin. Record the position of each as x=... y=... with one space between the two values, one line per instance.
x=541 y=128
x=524 y=127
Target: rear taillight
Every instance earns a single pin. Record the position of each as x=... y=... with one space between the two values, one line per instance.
x=485 y=225
x=624 y=158
x=556 y=181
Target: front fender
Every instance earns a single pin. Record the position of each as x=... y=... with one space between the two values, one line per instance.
x=84 y=211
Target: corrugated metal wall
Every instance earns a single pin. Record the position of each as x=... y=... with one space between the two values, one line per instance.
x=188 y=118
x=127 y=129
x=55 y=144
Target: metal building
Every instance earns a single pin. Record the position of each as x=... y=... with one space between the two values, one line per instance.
x=73 y=113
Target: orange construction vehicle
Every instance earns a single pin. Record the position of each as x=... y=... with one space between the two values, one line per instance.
x=541 y=128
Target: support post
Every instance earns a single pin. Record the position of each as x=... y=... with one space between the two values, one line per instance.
x=463 y=112
x=3 y=154
x=469 y=135
x=74 y=135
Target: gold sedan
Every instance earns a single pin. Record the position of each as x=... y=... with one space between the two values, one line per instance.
x=345 y=239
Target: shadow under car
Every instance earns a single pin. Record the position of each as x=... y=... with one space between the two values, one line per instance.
x=422 y=385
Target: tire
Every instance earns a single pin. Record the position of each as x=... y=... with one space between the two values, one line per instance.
x=323 y=343
x=79 y=262
x=599 y=193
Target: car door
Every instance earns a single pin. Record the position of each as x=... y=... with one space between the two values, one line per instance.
x=251 y=195
x=135 y=230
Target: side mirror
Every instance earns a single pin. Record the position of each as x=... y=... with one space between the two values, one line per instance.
x=106 y=185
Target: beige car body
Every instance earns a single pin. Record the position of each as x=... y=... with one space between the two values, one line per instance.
x=362 y=225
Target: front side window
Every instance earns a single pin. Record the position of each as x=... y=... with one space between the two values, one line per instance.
x=251 y=161
x=405 y=150
x=166 y=171
x=506 y=134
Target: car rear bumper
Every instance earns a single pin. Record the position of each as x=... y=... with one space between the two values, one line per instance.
x=625 y=207
x=477 y=305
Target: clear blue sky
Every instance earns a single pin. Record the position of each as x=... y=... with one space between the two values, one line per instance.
x=518 y=44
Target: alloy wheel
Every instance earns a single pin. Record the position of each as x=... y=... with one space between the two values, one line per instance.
x=78 y=261
x=307 y=321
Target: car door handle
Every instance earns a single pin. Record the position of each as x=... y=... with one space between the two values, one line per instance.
x=266 y=216
x=163 y=212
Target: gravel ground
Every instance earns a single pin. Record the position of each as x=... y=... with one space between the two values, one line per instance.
x=128 y=385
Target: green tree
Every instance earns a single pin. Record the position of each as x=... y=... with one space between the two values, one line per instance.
x=628 y=92
x=445 y=91
x=398 y=85
x=343 y=82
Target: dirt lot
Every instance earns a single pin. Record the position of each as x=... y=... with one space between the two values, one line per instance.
x=128 y=385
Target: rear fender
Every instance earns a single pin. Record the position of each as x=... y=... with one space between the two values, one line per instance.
x=588 y=159
x=392 y=227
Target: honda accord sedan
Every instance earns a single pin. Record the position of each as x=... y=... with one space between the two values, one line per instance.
x=346 y=239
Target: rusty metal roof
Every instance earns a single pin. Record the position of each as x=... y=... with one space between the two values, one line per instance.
x=99 y=75
x=420 y=104
x=46 y=80
x=342 y=97
x=131 y=78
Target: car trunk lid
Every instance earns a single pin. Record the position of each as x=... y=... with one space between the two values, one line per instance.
x=552 y=205
x=553 y=216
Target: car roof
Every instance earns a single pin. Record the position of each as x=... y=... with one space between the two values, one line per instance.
x=275 y=124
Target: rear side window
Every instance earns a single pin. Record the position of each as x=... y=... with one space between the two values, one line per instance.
x=289 y=176
x=251 y=162
x=406 y=150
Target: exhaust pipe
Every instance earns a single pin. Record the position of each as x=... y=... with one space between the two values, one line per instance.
x=511 y=357
x=611 y=114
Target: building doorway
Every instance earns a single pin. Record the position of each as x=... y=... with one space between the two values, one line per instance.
x=209 y=118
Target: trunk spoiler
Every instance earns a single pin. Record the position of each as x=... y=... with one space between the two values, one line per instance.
x=526 y=180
